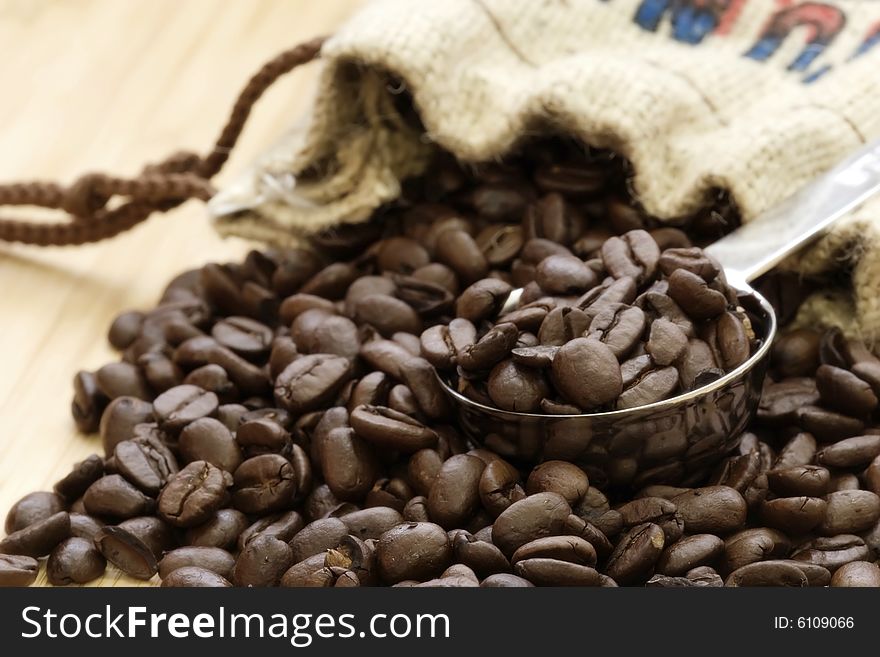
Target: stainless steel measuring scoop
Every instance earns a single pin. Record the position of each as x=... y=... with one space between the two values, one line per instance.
x=677 y=440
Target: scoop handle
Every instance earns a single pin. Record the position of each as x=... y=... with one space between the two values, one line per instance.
x=758 y=246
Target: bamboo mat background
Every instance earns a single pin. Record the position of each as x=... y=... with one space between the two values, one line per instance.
x=110 y=85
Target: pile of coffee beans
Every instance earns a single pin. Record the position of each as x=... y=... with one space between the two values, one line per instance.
x=627 y=341
x=278 y=421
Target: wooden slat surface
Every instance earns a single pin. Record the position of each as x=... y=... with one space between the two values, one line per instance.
x=110 y=85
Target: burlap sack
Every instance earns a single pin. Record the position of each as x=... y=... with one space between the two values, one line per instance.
x=754 y=96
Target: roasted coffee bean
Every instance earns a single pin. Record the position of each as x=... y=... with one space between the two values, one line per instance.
x=500 y=243
x=243 y=335
x=500 y=486
x=88 y=402
x=348 y=464
x=177 y=407
x=692 y=259
x=418 y=374
x=247 y=377
x=564 y=275
x=153 y=532
x=283 y=526
x=833 y=552
x=482 y=556
x=809 y=480
x=212 y=559
x=586 y=372
x=401 y=254
x=194 y=494
x=220 y=531
x=505 y=580
x=518 y=388
x=768 y=573
x=793 y=515
x=798 y=451
x=127 y=552
x=84 y=526
x=696 y=361
x=636 y=554
x=850 y=452
x=536 y=516
x=264 y=484
x=559 y=477
x=114 y=497
x=634 y=254
x=262 y=435
x=209 y=440
x=386 y=427
x=38 y=538
x=125 y=329
x=119 y=419
x=729 y=341
x=415 y=550
x=857 y=574
x=194 y=577
x=490 y=349
x=781 y=401
x=33 y=508
x=213 y=378
x=690 y=552
x=619 y=327
x=657 y=510
x=416 y=510
x=145 y=462
x=262 y=562
x=387 y=314
x=850 y=512
x=372 y=522
x=18 y=570
x=796 y=353
x=842 y=390
x=482 y=300
x=572 y=549
x=458 y=250
x=694 y=295
x=455 y=493
x=714 y=509
x=554 y=572
x=826 y=425
x=122 y=380
x=666 y=342
x=74 y=561
x=653 y=386
x=308 y=573
x=311 y=381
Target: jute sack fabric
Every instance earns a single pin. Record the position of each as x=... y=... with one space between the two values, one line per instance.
x=756 y=97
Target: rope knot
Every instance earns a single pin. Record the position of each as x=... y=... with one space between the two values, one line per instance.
x=84 y=197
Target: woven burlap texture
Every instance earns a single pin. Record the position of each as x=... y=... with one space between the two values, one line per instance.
x=691 y=117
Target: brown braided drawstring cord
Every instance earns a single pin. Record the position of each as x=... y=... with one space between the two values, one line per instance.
x=159 y=187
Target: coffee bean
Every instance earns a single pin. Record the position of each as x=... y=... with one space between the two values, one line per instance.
x=220 y=531
x=796 y=353
x=88 y=402
x=636 y=554
x=714 y=509
x=33 y=508
x=455 y=493
x=119 y=419
x=145 y=462
x=283 y=526
x=809 y=480
x=243 y=335
x=311 y=381
x=122 y=379
x=586 y=372
x=127 y=553
x=37 y=538
x=84 y=526
x=385 y=427
x=415 y=550
x=500 y=486
x=850 y=452
x=207 y=439
x=177 y=407
x=194 y=577
x=194 y=494
x=518 y=388
x=482 y=300
x=689 y=553
x=571 y=549
x=490 y=349
x=263 y=484
x=635 y=254
x=348 y=464
x=261 y=436
x=505 y=580
x=691 y=259
x=767 y=573
x=857 y=574
x=74 y=561
x=213 y=378
x=667 y=341
x=554 y=572
x=387 y=314
x=462 y=254
x=213 y=559
x=564 y=275
x=694 y=295
x=536 y=516
x=560 y=477
x=833 y=552
x=844 y=391
x=18 y=570
x=115 y=497
x=794 y=515
x=262 y=562
x=156 y=534
x=850 y=512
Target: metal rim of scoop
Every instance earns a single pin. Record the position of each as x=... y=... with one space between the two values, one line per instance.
x=762 y=352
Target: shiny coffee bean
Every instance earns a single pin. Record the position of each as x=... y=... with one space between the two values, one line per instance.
x=415 y=550
x=127 y=552
x=18 y=570
x=194 y=494
x=74 y=561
